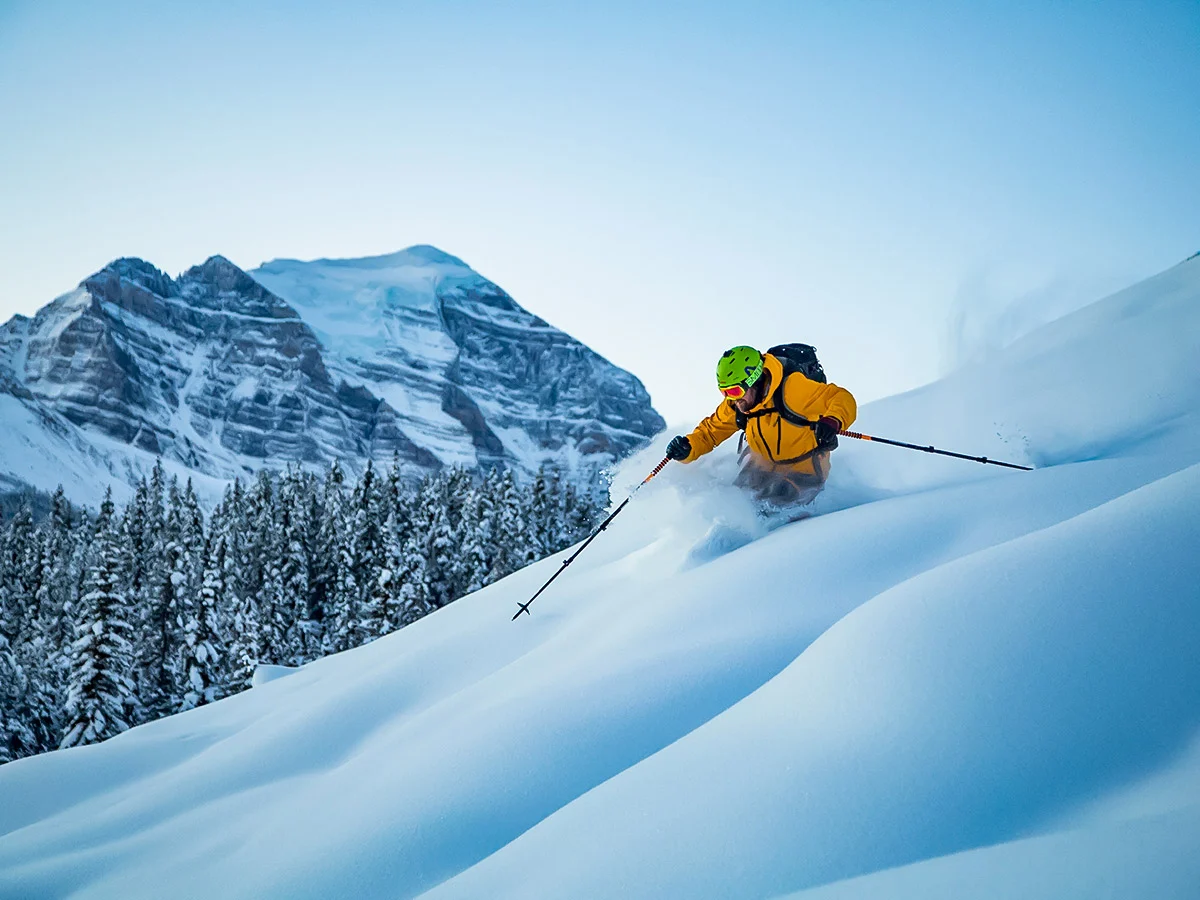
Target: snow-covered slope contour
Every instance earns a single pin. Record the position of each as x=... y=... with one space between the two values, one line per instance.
x=955 y=658
x=1147 y=857
x=40 y=447
x=962 y=707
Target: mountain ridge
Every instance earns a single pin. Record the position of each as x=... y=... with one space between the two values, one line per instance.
x=220 y=375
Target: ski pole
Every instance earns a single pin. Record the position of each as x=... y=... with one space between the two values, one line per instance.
x=524 y=607
x=978 y=459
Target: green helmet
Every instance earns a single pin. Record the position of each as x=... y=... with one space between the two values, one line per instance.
x=740 y=365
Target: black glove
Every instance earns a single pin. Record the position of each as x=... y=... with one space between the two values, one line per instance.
x=826 y=430
x=680 y=448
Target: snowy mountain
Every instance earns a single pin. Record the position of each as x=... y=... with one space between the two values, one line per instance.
x=413 y=354
x=472 y=376
x=956 y=681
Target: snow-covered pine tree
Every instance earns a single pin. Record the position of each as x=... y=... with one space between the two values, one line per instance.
x=84 y=538
x=327 y=594
x=413 y=583
x=274 y=609
x=580 y=515
x=161 y=633
x=10 y=609
x=245 y=629
x=17 y=738
x=253 y=581
x=237 y=610
x=28 y=698
x=344 y=600
x=295 y=565
x=140 y=520
x=135 y=541
x=192 y=529
x=435 y=534
x=55 y=596
x=201 y=649
x=19 y=560
x=540 y=524
x=412 y=590
x=101 y=695
x=188 y=558
x=392 y=496
x=310 y=612
x=145 y=570
x=380 y=612
x=156 y=509
x=477 y=538
x=363 y=557
x=43 y=652
x=509 y=547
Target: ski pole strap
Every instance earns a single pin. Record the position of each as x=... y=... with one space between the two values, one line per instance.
x=524 y=607
x=978 y=459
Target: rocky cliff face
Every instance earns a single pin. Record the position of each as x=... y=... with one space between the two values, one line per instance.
x=221 y=373
x=479 y=378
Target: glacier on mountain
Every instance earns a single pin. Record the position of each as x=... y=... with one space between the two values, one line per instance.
x=483 y=379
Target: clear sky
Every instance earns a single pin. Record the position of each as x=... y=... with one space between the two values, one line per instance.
x=892 y=182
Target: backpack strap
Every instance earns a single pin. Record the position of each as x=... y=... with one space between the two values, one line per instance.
x=743 y=419
x=782 y=408
x=801 y=458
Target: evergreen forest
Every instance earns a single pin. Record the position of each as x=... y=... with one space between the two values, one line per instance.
x=114 y=617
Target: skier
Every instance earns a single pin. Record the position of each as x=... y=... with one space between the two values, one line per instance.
x=789 y=424
x=790 y=419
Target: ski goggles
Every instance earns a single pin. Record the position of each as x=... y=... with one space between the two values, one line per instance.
x=734 y=392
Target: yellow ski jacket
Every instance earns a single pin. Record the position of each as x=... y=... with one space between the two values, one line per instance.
x=778 y=443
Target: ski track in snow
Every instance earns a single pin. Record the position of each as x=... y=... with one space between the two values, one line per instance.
x=955 y=681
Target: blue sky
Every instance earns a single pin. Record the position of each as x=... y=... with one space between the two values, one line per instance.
x=897 y=183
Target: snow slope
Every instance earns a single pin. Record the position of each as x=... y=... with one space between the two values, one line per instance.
x=958 y=681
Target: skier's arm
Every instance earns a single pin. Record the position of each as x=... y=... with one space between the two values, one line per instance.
x=812 y=400
x=721 y=425
x=842 y=406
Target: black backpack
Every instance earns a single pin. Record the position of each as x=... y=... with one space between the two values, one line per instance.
x=800 y=358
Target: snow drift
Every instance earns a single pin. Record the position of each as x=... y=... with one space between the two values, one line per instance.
x=957 y=681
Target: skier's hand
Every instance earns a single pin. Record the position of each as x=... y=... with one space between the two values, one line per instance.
x=680 y=448
x=826 y=430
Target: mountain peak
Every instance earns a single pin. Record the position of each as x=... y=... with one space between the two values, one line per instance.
x=217 y=262
x=431 y=254
x=418 y=256
x=226 y=277
x=216 y=266
x=140 y=272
